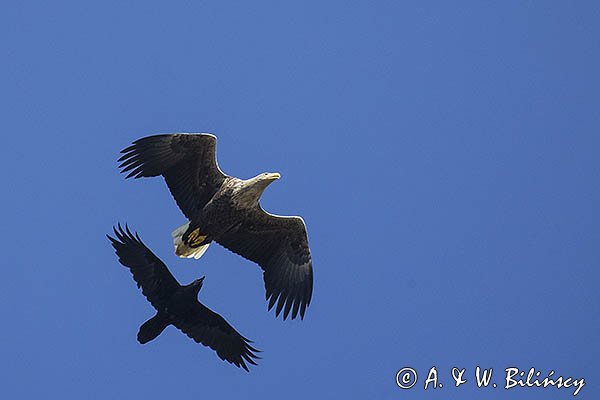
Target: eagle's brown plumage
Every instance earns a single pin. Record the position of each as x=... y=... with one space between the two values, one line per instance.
x=226 y=209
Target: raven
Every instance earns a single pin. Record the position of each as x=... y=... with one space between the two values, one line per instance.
x=178 y=305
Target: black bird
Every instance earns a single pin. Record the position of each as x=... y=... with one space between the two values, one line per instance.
x=227 y=210
x=178 y=305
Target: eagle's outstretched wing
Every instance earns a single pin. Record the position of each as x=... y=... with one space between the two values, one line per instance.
x=187 y=162
x=280 y=246
x=150 y=273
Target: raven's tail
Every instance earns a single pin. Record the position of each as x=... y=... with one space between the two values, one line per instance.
x=184 y=250
x=152 y=328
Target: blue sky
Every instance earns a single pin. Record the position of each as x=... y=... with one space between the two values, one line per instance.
x=444 y=158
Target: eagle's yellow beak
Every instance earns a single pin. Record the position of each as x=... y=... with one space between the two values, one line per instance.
x=273 y=175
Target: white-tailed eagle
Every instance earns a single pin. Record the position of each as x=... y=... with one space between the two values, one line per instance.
x=226 y=210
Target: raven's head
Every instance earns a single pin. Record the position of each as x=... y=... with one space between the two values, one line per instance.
x=194 y=287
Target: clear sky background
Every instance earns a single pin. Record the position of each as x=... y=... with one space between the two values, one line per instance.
x=444 y=158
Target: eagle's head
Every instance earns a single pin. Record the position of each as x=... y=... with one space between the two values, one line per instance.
x=250 y=190
x=260 y=182
x=268 y=177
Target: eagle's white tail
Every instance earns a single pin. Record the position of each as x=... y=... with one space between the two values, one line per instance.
x=183 y=250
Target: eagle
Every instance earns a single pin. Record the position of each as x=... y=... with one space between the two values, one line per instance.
x=226 y=209
x=178 y=305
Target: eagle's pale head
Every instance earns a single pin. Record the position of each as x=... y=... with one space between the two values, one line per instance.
x=250 y=190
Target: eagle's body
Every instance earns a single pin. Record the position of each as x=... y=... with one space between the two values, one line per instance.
x=230 y=206
x=226 y=209
x=178 y=305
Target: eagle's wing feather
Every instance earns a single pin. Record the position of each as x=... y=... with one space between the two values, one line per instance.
x=207 y=327
x=280 y=246
x=150 y=273
x=187 y=162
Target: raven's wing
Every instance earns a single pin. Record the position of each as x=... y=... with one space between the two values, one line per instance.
x=187 y=162
x=150 y=273
x=209 y=328
x=280 y=246
x=194 y=319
